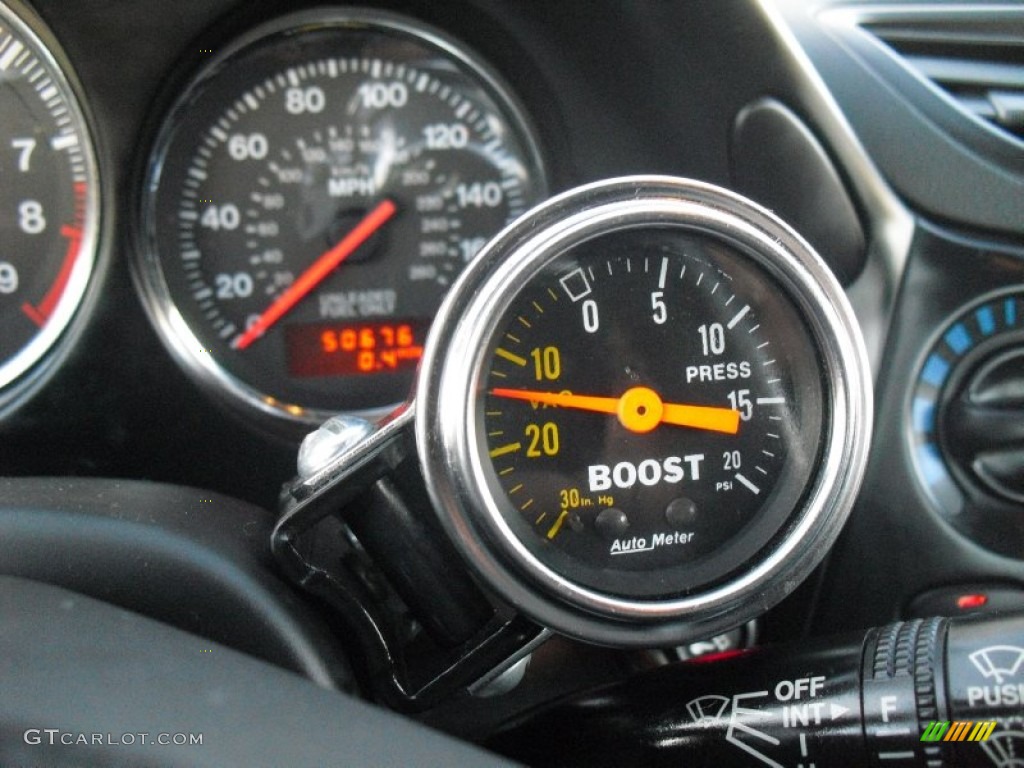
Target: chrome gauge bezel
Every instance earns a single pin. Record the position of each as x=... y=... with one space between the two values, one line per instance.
x=24 y=373
x=452 y=374
x=289 y=418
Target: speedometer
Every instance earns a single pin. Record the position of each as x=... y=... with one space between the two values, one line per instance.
x=311 y=197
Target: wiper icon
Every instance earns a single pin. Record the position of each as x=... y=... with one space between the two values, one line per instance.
x=1000 y=662
x=1004 y=749
x=708 y=707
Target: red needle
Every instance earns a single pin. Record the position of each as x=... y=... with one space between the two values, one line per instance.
x=318 y=270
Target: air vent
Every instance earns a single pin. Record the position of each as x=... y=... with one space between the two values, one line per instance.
x=976 y=58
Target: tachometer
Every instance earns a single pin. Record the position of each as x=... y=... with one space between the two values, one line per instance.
x=644 y=412
x=311 y=197
x=49 y=200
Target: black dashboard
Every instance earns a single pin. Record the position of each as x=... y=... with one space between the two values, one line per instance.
x=889 y=135
x=133 y=426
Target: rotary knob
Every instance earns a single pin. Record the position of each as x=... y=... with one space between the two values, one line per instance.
x=967 y=422
x=983 y=424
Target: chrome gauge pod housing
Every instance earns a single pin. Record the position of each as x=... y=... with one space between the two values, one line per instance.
x=644 y=411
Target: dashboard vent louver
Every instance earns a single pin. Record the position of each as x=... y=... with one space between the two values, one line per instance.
x=978 y=60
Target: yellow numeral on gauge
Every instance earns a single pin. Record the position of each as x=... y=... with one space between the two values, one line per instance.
x=543 y=439
x=547 y=363
x=571 y=498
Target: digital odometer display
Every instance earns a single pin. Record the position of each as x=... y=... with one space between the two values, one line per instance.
x=330 y=170
x=325 y=349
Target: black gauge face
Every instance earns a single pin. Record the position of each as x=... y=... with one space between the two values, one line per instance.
x=48 y=200
x=651 y=398
x=643 y=411
x=312 y=197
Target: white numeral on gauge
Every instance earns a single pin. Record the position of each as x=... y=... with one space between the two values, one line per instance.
x=298 y=101
x=591 y=321
x=381 y=95
x=243 y=147
x=221 y=217
x=712 y=338
x=25 y=148
x=236 y=286
x=660 y=313
x=478 y=194
x=446 y=136
x=30 y=217
x=8 y=277
x=739 y=400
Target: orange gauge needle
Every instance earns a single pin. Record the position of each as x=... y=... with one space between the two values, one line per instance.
x=318 y=270
x=640 y=409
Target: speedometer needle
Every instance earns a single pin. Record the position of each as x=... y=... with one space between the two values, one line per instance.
x=318 y=270
x=640 y=409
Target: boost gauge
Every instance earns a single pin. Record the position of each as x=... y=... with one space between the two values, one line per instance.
x=644 y=412
x=310 y=199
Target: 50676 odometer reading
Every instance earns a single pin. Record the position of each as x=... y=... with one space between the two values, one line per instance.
x=648 y=394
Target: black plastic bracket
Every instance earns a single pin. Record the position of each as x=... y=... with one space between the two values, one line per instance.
x=359 y=538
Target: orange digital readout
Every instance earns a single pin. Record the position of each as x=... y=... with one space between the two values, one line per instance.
x=327 y=349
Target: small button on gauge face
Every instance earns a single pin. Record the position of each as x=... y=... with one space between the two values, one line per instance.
x=311 y=198
x=49 y=199
x=649 y=397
